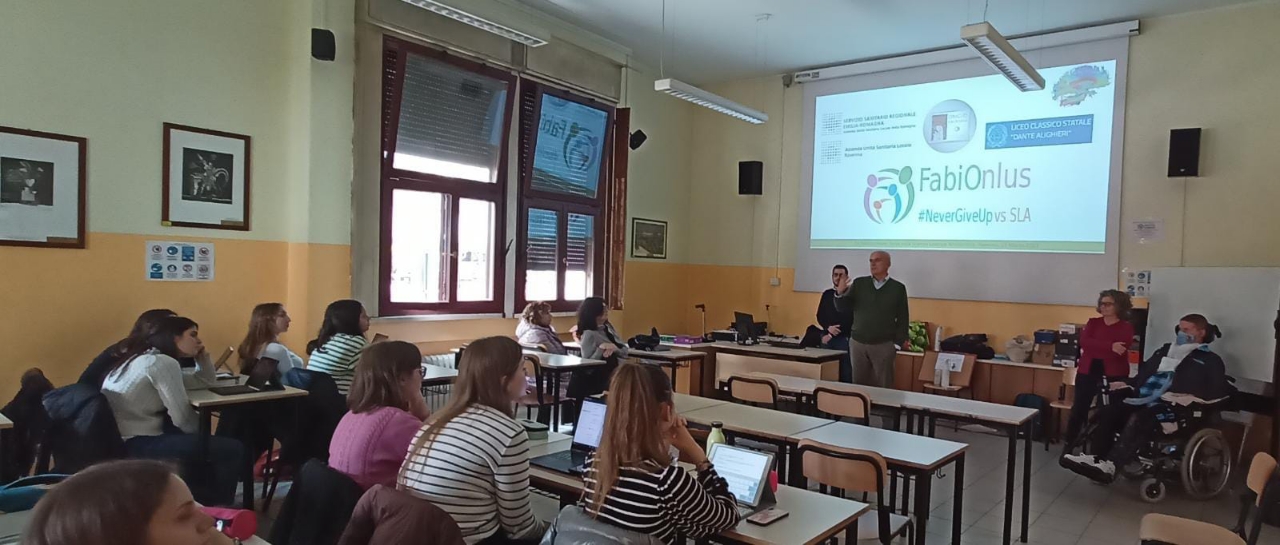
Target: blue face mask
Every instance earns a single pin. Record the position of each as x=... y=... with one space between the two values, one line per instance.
x=1183 y=338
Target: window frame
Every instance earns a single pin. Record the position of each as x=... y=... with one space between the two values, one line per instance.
x=527 y=197
x=391 y=179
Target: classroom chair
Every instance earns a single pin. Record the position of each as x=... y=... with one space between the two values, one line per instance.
x=1063 y=403
x=386 y=516
x=838 y=470
x=959 y=380
x=540 y=395
x=754 y=391
x=1261 y=496
x=843 y=404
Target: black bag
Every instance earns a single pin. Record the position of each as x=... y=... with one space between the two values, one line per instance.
x=1041 y=405
x=646 y=342
x=82 y=430
x=969 y=343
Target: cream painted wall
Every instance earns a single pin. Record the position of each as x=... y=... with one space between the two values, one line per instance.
x=114 y=70
x=1213 y=69
x=658 y=179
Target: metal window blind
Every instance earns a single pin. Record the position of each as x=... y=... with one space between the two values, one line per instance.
x=580 y=242
x=449 y=114
x=542 y=239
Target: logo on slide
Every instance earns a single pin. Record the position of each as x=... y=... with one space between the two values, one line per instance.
x=579 y=148
x=1080 y=83
x=886 y=191
x=949 y=126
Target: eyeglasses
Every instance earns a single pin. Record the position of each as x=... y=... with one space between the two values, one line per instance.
x=1106 y=304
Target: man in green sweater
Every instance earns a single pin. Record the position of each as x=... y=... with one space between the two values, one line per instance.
x=880 y=319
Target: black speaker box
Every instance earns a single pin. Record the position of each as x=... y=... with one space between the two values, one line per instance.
x=323 y=47
x=750 y=178
x=1184 y=152
x=637 y=139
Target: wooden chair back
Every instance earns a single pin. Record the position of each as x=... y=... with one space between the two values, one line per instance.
x=960 y=379
x=1260 y=471
x=763 y=391
x=844 y=403
x=848 y=469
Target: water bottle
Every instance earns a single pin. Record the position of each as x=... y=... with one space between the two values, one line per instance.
x=716 y=436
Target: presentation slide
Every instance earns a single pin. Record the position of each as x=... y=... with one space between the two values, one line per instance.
x=571 y=142
x=967 y=164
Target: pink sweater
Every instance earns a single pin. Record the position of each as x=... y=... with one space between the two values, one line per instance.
x=369 y=447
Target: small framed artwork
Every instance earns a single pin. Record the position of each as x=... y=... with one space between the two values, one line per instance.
x=206 y=178
x=648 y=238
x=42 y=189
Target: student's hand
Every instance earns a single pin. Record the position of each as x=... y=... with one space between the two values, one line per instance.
x=608 y=350
x=842 y=285
x=826 y=339
x=834 y=330
x=418 y=406
x=690 y=451
x=1119 y=348
x=906 y=345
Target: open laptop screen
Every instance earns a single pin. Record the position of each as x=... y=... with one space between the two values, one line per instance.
x=586 y=433
x=744 y=469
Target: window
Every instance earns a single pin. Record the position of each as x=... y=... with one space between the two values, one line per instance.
x=565 y=144
x=444 y=131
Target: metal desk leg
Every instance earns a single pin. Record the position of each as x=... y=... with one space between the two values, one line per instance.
x=957 y=501
x=555 y=400
x=924 y=485
x=206 y=429
x=1011 y=469
x=675 y=367
x=1026 y=478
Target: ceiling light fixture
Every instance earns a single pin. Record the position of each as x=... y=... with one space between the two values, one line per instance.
x=1002 y=56
x=529 y=37
x=682 y=90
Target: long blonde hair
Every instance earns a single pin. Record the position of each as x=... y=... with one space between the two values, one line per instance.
x=486 y=367
x=262 y=331
x=633 y=425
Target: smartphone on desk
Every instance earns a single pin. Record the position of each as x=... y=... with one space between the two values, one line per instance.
x=768 y=516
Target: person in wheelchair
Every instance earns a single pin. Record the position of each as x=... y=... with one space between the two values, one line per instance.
x=1176 y=375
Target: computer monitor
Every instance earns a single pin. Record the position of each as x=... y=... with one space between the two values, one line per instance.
x=746 y=471
x=590 y=426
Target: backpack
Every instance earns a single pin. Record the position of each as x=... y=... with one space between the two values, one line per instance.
x=646 y=342
x=969 y=343
x=18 y=450
x=82 y=430
x=1041 y=405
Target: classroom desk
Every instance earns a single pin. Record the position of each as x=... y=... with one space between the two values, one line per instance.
x=771 y=426
x=558 y=365
x=813 y=518
x=928 y=408
x=724 y=359
x=435 y=375
x=5 y=424
x=205 y=402
x=686 y=403
x=673 y=359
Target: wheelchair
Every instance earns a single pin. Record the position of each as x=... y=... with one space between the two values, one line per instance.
x=1195 y=453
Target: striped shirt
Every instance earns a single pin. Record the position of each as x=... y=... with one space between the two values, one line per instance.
x=338 y=358
x=476 y=468
x=662 y=501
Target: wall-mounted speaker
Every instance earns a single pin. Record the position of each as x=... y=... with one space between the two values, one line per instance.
x=637 y=139
x=1184 y=152
x=323 y=47
x=750 y=178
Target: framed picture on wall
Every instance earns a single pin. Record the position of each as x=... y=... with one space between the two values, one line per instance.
x=648 y=238
x=42 y=189
x=206 y=178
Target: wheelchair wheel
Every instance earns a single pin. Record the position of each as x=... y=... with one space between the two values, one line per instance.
x=1152 y=490
x=1206 y=464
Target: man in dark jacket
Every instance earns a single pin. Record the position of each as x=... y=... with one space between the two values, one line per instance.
x=836 y=323
x=1176 y=375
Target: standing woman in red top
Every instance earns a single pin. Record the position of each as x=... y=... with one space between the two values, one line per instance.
x=1104 y=351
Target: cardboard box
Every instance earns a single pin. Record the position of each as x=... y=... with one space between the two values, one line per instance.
x=1043 y=354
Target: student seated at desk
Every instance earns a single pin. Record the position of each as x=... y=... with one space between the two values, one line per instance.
x=535 y=329
x=1186 y=371
x=633 y=482
x=149 y=400
x=267 y=323
x=387 y=409
x=599 y=339
x=143 y=327
x=337 y=347
x=472 y=457
x=126 y=502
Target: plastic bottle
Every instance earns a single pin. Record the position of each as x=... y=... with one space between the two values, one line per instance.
x=716 y=436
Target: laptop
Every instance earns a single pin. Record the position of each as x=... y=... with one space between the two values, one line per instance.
x=586 y=437
x=747 y=472
x=262 y=378
x=745 y=325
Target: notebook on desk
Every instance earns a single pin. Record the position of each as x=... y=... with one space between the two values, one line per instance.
x=586 y=438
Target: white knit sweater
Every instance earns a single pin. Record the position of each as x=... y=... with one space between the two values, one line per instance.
x=149 y=386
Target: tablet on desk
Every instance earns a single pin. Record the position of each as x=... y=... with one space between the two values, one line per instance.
x=264 y=376
x=747 y=472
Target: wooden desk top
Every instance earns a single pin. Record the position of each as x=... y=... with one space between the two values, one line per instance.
x=203 y=399
x=814 y=517
x=899 y=399
x=435 y=374
x=5 y=423
x=898 y=448
x=687 y=403
x=672 y=355
x=811 y=355
x=755 y=421
x=556 y=361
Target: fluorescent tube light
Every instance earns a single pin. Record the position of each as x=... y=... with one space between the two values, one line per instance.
x=1002 y=56
x=682 y=90
x=458 y=14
